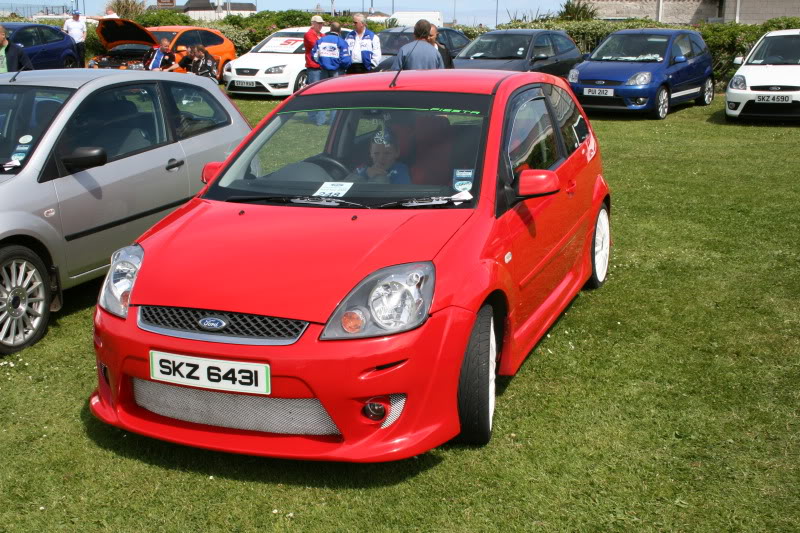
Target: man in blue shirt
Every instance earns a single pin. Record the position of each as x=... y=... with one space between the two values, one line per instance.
x=332 y=53
x=419 y=54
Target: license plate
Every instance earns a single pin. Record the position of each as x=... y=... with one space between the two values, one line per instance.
x=588 y=91
x=252 y=378
x=774 y=98
x=244 y=83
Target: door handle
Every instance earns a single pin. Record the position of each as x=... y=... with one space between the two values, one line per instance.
x=174 y=164
x=571 y=186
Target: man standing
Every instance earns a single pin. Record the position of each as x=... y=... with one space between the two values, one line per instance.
x=333 y=56
x=76 y=29
x=110 y=14
x=365 y=47
x=159 y=58
x=12 y=56
x=310 y=39
x=419 y=54
x=446 y=59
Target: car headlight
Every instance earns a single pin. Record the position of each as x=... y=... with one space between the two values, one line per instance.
x=228 y=67
x=388 y=301
x=275 y=70
x=116 y=292
x=738 y=82
x=572 y=77
x=640 y=78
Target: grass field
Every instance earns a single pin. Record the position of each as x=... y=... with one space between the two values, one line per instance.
x=666 y=401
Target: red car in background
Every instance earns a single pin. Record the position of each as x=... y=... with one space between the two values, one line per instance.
x=353 y=297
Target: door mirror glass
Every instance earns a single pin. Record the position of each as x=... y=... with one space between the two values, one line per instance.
x=210 y=171
x=738 y=60
x=539 y=57
x=533 y=183
x=679 y=59
x=85 y=157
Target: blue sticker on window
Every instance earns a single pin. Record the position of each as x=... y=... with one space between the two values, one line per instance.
x=462 y=179
x=22 y=148
x=19 y=156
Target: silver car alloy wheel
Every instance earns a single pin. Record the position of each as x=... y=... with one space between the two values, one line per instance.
x=708 y=91
x=602 y=245
x=22 y=299
x=492 y=372
x=663 y=103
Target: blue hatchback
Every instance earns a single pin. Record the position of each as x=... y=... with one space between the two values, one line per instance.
x=645 y=70
x=45 y=46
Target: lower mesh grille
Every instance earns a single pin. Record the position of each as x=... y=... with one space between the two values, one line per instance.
x=286 y=416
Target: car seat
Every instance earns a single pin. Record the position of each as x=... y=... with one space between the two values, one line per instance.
x=433 y=149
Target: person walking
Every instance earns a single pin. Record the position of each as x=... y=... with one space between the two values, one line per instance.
x=365 y=47
x=333 y=56
x=12 y=56
x=419 y=54
x=76 y=28
x=447 y=60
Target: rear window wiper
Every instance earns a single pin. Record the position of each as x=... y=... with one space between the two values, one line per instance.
x=313 y=200
x=429 y=201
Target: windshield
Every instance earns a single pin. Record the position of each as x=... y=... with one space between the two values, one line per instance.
x=632 y=47
x=164 y=35
x=777 y=50
x=374 y=148
x=497 y=46
x=392 y=41
x=25 y=115
x=282 y=42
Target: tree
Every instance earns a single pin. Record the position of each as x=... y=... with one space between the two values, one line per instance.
x=577 y=10
x=127 y=9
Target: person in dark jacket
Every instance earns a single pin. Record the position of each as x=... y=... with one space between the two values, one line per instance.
x=205 y=64
x=446 y=58
x=159 y=58
x=12 y=56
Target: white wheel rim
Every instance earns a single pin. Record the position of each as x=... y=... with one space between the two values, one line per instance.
x=709 y=91
x=492 y=371
x=663 y=104
x=21 y=302
x=602 y=245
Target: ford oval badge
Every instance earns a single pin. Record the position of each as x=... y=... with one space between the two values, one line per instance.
x=211 y=323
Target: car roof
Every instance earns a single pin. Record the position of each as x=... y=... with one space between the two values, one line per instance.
x=653 y=31
x=406 y=29
x=75 y=78
x=784 y=32
x=472 y=81
x=519 y=31
x=17 y=25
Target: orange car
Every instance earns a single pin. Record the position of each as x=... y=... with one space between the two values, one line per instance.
x=126 y=43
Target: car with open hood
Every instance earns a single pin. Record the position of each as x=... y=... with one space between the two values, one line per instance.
x=767 y=85
x=127 y=42
x=354 y=296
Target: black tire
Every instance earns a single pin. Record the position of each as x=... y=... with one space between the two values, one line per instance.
x=300 y=82
x=70 y=62
x=24 y=299
x=476 y=383
x=661 y=107
x=706 y=93
x=600 y=245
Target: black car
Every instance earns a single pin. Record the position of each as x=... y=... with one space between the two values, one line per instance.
x=393 y=39
x=547 y=51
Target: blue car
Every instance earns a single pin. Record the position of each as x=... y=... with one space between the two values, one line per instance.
x=646 y=70
x=46 y=46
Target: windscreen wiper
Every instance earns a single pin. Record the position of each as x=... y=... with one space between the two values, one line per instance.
x=313 y=200
x=429 y=201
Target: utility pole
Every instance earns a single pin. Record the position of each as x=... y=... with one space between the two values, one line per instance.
x=496 y=10
x=454 y=12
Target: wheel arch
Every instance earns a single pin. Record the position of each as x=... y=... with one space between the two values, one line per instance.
x=40 y=249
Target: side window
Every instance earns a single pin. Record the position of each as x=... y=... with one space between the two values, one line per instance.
x=698 y=45
x=50 y=35
x=532 y=141
x=543 y=45
x=122 y=120
x=210 y=39
x=458 y=40
x=195 y=110
x=569 y=119
x=26 y=37
x=188 y=38
x=563 y=43
x=682 y=47
x=441 y=38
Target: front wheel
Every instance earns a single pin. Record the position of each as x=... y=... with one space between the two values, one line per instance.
x=70 y=62
x=661 y=109
x=301 y=80
x=707 y=96
x=601 y=249
x=477 y=381
x=24 y=298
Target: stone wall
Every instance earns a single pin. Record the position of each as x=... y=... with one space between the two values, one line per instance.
x=672 y=11
x=757 y=11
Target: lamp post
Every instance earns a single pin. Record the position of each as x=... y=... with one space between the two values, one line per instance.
x=496 y=10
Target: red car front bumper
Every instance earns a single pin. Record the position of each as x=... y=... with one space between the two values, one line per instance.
x=423 y=364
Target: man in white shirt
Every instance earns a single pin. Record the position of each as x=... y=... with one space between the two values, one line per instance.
x=110 y=14
x=76 y=29
x=364 y=45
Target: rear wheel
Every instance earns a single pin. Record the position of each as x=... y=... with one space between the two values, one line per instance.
x=477 y=381
x=707 y=95
x=300 y=82
x=70 y=62
x=661 y=109
x=24 y=298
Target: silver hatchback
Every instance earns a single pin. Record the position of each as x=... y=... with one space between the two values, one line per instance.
x=90 y=159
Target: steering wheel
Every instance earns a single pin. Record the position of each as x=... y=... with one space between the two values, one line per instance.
x=333 y=166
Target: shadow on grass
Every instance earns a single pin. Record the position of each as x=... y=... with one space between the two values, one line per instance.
x=718 y=117
x=621 y=115
x=78 y=299
x=253 y=469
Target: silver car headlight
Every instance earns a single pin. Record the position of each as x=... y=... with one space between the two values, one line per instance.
x=275 y=70
x=739 y=83
x=228 y=67
x=572 y=77
x=116 y=292
x=640 y=78
x=388 y=301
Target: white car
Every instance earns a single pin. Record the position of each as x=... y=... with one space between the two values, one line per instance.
x=275 y=67
x=767 y=85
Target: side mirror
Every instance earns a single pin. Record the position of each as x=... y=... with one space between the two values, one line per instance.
x=210 y=171
x=539 y=57
x=84 y=158
x=533 y=183
x=679 y=59
x=738 y=60
x=586 y=56
x=180 y=49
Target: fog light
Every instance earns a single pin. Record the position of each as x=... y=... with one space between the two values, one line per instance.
x=374 y=410
x=733 y=106
x=640 y=101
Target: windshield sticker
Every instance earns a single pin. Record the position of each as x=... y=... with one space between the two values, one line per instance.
x=18 y=156
x=462 y=111
x=11 y=164
x=22 y=148
x=25 y=139
x=462 y=179
x=282 y=44
x=333 y=189
x=463 y=185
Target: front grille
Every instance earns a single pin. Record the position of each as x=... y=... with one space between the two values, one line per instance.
x=246 y=71
x=284 y=416
x=605 y=83
x=771 y=88
x=184 y=322
x=754 y=109
x=608 y=101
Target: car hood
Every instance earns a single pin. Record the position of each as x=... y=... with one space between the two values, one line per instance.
x=493 y=64
x=264 y=60
x=289 y=262
x=114 y=32
x=770 y=74
x=615 y=70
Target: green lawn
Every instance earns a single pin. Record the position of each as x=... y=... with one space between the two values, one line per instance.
x=666 y=401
